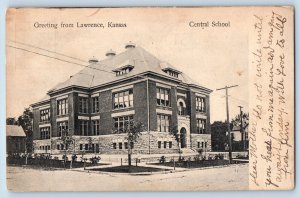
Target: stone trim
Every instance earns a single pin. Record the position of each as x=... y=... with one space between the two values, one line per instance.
x=62 y=119
x=123 y=113
x=200 y=95
x=83 y=118
x=44 y=107
x=181 y=94
x=44 y=125
x=199 y=115
x=95 y=95
x=164 y=111
x=122 y=88
x=163 y=85
x=95 y=117
x=83 y=95
x=62 y=97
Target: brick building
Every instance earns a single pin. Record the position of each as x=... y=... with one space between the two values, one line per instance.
x=132 y=85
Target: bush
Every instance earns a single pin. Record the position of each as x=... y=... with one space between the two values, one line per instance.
x=65 y=157
x=162 y=159
x=197 y=158
x=74 y=157
x=181 y=159
x=95 y=160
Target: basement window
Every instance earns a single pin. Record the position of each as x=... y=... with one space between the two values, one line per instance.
x=159 y=144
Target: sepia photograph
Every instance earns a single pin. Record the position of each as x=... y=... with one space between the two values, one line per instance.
x=150 y=99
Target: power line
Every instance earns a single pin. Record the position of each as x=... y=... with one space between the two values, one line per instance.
x=37 y=53
x=29 y=45
x=61 y=54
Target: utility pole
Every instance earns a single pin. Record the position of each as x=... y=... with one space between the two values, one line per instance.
x=228 y=123
x=242 y=129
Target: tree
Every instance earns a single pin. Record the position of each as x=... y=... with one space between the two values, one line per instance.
x=11 y=121
x=25 y=121
x=133 y=131
x=241 y=121
x=237 y=120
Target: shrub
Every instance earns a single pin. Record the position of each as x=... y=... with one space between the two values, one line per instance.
x=181 y=159
x=197 y=158
x=74 y=157
x=56 y=158
x=95 y=160
x=65 y=157
x=162 y=159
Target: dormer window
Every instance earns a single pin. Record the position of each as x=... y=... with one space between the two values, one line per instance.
x=123 y=70
x=172 y=72
x=169 y=69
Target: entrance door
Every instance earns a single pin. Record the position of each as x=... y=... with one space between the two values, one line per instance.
x=183 y=137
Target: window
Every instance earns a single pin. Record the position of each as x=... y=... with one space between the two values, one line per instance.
x=126 y=145
x=58 y=147
x=205 y=144
x=114 y=145
x=170 y=144
x=131 y=145
x=62 y=128
x=95 y=104
x=198 y=144
x=120 y=145
x=163 y=123
x=81 y=147
x=83 y=105
x=62 y=107
x=163 y=97
x=159 y=144
x=165 y=144
x=123 y=99
x=201 y=125
x=95 y=127
x=181 y=109
x=97 y=148
x=123 y=71
x=202 y=143
x=121 y=123
x=45 y=115
x=246 y=136
x=45 y=133
x=83 y=127
x=200 y=104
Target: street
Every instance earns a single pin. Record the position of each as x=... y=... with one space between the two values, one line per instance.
x=223 y=178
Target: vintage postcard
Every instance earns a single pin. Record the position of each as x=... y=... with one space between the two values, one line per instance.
x=150 y=99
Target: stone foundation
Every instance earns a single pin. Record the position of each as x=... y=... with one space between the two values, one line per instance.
x=115 y=144
x=197 y=140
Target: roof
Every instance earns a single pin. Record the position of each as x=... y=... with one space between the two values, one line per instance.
x=102 y=72
x=14 y=131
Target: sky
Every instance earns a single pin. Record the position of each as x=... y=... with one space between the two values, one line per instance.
x=214 y=57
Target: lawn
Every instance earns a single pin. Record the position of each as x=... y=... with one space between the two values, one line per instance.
x=198 y=164
x=132 y=169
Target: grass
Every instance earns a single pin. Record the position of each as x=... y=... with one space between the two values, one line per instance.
x=198 y=164
x=126 y=169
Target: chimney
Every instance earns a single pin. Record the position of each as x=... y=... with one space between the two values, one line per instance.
x=93 y=60
x=129 y=45
x=110 y=53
